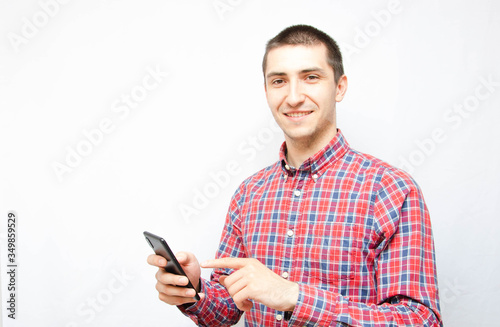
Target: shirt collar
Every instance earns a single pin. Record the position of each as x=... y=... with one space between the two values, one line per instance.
x=318 y=163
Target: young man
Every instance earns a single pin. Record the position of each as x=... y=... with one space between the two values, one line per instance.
x=326 y=236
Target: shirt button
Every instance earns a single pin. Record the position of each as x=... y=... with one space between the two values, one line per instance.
x=296 y=193
x=315 y=177
x=287 y=167
x=279 y=317
x=290 y=233
x=284 y=275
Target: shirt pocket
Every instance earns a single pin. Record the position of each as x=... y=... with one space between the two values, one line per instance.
x=332 y=255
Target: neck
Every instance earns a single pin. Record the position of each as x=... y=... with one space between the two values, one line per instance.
x=299 y=151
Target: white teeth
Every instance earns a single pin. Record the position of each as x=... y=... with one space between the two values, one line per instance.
x=298 y=114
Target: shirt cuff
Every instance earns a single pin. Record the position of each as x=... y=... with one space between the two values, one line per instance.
x=315 y=307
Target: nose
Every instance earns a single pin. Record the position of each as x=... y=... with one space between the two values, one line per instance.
x=295 y=96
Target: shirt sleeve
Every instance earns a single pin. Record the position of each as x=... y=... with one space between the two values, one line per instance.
x=218 y=308
x=405 y=270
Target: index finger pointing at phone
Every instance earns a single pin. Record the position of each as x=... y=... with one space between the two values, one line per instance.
x=232 y=263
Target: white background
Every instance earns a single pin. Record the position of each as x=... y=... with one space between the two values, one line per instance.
x=424 y=94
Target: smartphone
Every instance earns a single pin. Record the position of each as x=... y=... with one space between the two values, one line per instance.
x=161 y=248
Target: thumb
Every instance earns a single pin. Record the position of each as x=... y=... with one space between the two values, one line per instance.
x=186 y=258
x=181 y=257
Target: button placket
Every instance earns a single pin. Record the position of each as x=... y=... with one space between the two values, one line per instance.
x=297 y=184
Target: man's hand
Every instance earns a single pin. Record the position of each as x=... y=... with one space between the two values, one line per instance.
x=169 y=285
x=251 y=280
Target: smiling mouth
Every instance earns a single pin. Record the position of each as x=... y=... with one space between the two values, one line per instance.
x=298 y=114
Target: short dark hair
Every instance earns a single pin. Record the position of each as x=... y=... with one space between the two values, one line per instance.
x=307 y=35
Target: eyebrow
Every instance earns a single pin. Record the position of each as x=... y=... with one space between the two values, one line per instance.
x=303 y=71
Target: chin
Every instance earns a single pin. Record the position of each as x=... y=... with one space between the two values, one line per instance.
x=300 y=137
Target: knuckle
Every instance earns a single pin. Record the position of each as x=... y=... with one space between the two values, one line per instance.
x=159 y=275
x=163 y=297
x=160 y=287
x=253 y=288
x=252 y=265
x=239 y=301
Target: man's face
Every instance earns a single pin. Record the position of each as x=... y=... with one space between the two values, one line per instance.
x=302 y=93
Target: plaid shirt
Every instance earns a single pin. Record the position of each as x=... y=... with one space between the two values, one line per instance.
x=351 y=230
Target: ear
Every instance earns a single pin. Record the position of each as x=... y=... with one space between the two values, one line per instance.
x=341 y=88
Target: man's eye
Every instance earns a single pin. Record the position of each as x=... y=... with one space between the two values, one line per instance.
x=312 y=77
x=277 y=81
